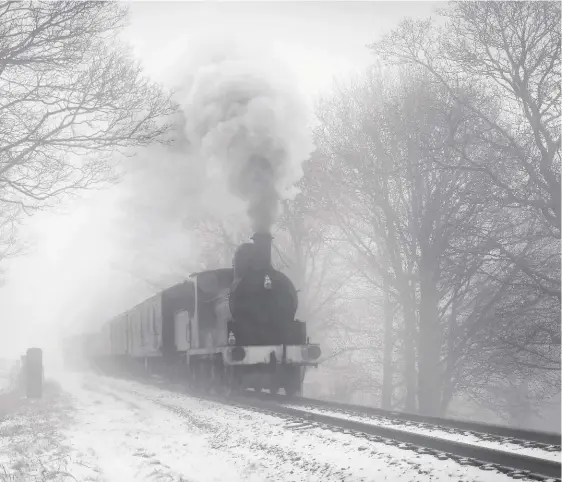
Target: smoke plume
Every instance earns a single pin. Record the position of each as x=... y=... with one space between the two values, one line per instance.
x=250 y=128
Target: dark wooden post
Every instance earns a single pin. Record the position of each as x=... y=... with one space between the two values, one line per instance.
x=34 y=373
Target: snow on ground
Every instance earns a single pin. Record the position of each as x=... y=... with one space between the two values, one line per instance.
x=462 y=437
x=31 y=447
x=103 y=429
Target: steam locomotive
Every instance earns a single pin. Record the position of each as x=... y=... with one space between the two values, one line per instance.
x=223 y=330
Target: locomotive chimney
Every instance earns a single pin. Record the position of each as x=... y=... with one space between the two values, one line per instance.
x=262 y=242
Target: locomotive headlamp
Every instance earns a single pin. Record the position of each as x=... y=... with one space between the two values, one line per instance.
x=267 y=282
x=311 y=352
x=237 y=353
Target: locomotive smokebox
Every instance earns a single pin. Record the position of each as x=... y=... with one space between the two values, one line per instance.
x=262 y=242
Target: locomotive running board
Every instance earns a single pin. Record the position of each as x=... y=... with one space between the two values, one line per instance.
x=254 y=355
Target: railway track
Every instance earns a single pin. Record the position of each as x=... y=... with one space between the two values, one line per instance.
x=516 y=465
x=547 y=441
x=308 y=413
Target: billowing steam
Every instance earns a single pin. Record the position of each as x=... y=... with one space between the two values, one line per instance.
x=250 y=128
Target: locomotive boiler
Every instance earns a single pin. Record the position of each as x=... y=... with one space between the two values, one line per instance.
x=262 y=301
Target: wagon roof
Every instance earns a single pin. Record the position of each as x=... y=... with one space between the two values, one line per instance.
x=219 y=270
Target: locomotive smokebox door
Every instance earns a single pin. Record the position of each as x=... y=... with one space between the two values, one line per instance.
x=34 y=373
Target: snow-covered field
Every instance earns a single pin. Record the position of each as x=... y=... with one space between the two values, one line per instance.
x=457 y=436
x=5 y=379
x=93 y=428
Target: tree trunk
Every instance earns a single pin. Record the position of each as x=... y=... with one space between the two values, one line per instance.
x=407 y=299
x=387 y=377
x=519 y=408
x=409 y=343
x=449 y=383
x=429 y=348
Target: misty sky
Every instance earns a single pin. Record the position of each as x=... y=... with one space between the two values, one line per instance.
x=70 y=274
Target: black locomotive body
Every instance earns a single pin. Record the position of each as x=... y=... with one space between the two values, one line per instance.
x=263 y=301
x=224 y=329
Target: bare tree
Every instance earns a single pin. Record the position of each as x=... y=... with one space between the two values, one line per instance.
x=421 y=231
x=512 y=51
x=371 y=170
x=70 y=97
x=500 y=64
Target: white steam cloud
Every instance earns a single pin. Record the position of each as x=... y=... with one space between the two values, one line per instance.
x=249 y=127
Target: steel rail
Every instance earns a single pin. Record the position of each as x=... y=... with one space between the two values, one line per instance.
x=547 y=438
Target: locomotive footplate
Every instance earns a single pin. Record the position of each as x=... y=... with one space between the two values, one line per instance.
x=278 y=354
x=307 y=355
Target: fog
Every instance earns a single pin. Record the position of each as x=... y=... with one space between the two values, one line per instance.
x=79 y=266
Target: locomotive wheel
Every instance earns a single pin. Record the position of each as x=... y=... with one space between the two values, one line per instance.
x=218 y=376
x=292 y=383
x=192 y=379
x=208 y=373
x=231 y=382
x=213 y=382
x=292 y=390
x=274 y=387
x=199 y=380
